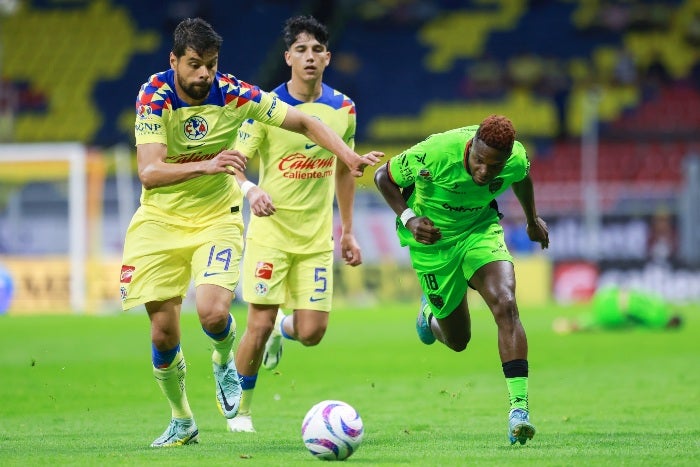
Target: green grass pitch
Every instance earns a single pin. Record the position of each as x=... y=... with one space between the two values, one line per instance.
x=78 y=390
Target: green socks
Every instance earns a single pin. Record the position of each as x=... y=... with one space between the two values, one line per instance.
x=517 y=391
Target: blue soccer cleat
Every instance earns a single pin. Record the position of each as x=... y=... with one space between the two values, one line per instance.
x=425 y=334
x=179 y=432
x=519 y=427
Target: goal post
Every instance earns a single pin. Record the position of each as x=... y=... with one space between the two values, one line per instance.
x=31 y=157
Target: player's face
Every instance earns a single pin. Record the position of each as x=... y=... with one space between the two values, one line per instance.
x=194 y=74
x=307 y=57
x=485 y=162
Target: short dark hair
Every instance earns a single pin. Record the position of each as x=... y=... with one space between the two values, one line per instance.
x=497 y=132
x=196 y=34
x=298 y=24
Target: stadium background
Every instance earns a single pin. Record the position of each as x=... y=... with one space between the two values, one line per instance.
x=605 y=95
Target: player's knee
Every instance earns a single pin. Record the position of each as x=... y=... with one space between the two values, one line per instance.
x=214 y=322
x=164 y=338
x=459 y=344
x=504 y=308
x=311 y=337
x=262 y=328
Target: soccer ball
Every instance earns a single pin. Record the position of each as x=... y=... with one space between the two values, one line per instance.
x=332 y=430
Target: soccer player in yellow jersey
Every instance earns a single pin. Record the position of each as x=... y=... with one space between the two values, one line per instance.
x=189 y=225
x=288 y=259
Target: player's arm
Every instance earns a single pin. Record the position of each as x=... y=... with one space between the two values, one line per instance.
x=324 y=136
x=259 y=200
x=345 y=194
x=421 y=227
x=154 y=172
x=536 y=226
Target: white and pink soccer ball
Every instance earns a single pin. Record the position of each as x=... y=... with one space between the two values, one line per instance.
x=332 y=430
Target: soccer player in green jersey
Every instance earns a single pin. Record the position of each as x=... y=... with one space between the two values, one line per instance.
x=621 y=308
x=189 y=225
x=444 y=192
x=288 y=258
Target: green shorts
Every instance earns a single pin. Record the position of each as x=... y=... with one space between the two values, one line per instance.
x=295 y=281
x=160 y=260
x=444 y=273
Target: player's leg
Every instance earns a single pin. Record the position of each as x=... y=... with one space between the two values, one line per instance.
x=310 y=282
x=215 y=259
x=454 y=330
x=443 y=314
x=261 y=319
x=495 y=282
x=150 y=273
x=169 y=370
x=310 y=294
x=213 y=305
x=264 y=288
x=306 y=326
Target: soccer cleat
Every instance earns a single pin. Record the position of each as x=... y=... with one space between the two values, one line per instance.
x=228 y=388
x=241 y=424
x=179 y=432
x=519 y=427
x=273 y=346
x=425 y=334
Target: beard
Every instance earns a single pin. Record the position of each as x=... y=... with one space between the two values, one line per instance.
x=196 y=92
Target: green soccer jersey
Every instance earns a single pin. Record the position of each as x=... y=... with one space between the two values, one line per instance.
x=614 y=308
x=433 y=174
x=195 y=133
x=298 y=174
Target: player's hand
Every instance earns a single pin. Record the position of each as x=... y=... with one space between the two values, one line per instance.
x=350 y=250
x=260 y=202
x=423 y=230
x=357 y=167
x=228 y=161
x=538 y=232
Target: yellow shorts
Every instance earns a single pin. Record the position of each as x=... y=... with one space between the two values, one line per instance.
x=294 y=281
x=161 y=259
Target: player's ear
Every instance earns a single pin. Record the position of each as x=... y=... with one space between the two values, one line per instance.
x=287 y=58
x=173 y=60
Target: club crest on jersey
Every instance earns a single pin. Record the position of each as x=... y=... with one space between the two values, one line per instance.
x=261 y=289
x=123 y=293
x=144 y=111
x=195 y=128
x=495 y=185
x=425 y=174
x=263 y=270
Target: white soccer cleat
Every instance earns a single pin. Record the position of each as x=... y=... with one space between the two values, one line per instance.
x=241 y=424
x=273 y=346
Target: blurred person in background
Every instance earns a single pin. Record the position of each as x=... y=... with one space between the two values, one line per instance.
x=189 y=224
x=288 y=258
x=444 y=192
x=616 y=308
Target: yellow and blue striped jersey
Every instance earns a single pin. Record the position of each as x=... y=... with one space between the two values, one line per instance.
x=195 y=133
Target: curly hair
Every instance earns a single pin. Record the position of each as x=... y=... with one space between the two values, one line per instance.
x=497 y=132
x=196 y=34
x=298 y=24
